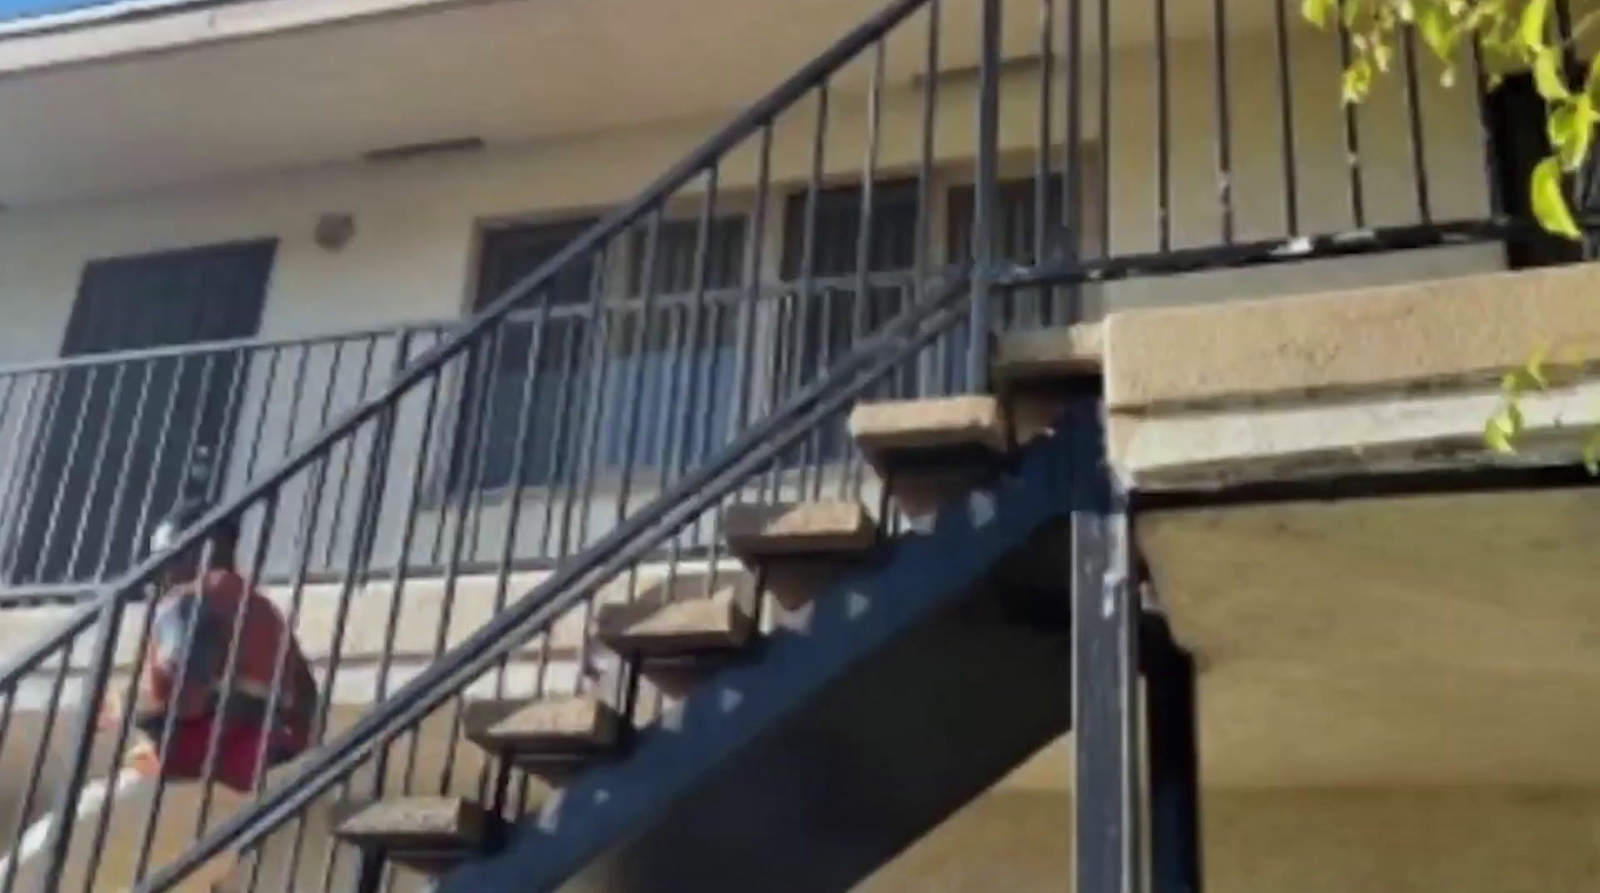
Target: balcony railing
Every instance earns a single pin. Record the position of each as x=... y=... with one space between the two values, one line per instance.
x=94 y=450
x=599 y=436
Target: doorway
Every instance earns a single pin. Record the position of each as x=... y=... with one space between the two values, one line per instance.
x=119 y=444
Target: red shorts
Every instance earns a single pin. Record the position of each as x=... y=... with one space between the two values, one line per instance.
x=238 y=753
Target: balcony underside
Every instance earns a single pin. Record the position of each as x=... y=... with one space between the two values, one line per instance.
x=1375 y=597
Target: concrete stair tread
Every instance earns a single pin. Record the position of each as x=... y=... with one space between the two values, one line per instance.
x=428 y=834
x=557 y=729
x=655 y=629
x=757 y=531
x=886 y=430
x=1051 y=353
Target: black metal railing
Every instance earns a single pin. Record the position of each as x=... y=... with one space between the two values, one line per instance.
x=439 y=509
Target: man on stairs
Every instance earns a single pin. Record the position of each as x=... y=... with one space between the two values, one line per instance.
x=261 y=716
x=212 y=713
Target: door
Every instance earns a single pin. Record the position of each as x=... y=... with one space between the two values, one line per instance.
x=120 y=443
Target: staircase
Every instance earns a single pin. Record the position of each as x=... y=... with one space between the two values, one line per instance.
x=871 y=630
x=822 y=711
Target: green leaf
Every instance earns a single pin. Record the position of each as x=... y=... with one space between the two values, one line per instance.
x=1531 y=27
x=1547 y=77
x=1318 y=12
x=1549 y=204
x=1438 y=33
x=1570 y=127
x=1591 y=84
x=1591 y=453
x=1499 y=431
x=1357 y=81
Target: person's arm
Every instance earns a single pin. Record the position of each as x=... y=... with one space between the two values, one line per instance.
x=184 y=643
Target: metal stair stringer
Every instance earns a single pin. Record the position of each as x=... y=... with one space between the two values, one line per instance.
x=907 y=694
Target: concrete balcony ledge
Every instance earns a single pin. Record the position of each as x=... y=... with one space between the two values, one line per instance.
x=1377 y=379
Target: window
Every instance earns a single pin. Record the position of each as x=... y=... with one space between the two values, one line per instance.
x=819 y=326
x=680 y=361
x=683 y=361
x=1016 y=224
x=524 y=378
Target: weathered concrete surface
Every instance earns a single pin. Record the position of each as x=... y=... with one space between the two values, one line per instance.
x=1440 y=640
x=1399 y=337
x=1398 y=377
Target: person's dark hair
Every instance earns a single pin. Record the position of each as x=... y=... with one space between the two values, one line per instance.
x=223 y=537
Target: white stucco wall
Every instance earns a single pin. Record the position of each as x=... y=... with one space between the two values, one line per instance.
x=412 y=256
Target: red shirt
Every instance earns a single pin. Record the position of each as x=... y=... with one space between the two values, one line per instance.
x=186 y=671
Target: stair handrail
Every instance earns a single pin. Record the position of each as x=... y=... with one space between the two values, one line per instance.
x=866 y=363
x=105 y=611
x=758 y=115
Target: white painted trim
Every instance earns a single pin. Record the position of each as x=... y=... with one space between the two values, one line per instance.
x=1382 y=433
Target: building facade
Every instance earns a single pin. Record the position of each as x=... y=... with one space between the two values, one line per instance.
x=224 y=225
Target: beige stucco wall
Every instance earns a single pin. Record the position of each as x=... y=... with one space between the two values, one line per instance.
x=1394 y=840
x=417 y=223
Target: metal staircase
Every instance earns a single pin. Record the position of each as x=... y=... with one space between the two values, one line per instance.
x=776 y=564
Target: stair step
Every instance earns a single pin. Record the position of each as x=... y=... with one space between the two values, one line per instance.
x=888 y=428
x=932 y=450
x=558 y=730
x=427 y=834
x=657 y=629
x=759 y=531
x=1050 y=354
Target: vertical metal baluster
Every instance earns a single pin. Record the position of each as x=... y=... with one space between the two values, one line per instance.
x=62 y=836
x=296 y=394
x=1219 y=60
x=749 y=307
x=303 y=544
x=419 y=472
x=230 y=413
x=1104 y=111
x=1042 y=164
x=1419 y=161
x=636 y=352
x=1291 y=181
x=808 y=266
x=12 y=461
x=628 y=680
x=100 y=450
x=119 y=747
x=922 y=252
x=588 y=453
x=73 y=455
x=18 y=465
x=985 y=196
x=362 y=541
x=273 y=356
x=477 y=432
x=33 y=485
x=230 y=678
x=124 y=477
x=1352 y=139
x=852 y=467
x=107 y=625
x=1164 y=132
x=508 y=546
x=559 y=485
x=324 y=412
x=676 y=456
x=147 y=502
x=785 y=354
x=349 y=455
x=1072 y=164
x=485 y=444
